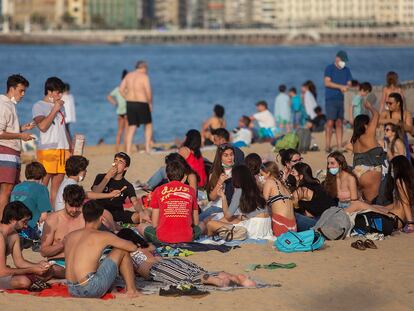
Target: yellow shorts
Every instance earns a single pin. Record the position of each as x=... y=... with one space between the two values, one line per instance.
x=53 y=160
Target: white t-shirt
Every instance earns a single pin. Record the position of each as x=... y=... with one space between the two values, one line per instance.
x=69 y=108
x=310 y=104
x=59 y=203
x=245 y=135
x=265 y=119
x=55 y=137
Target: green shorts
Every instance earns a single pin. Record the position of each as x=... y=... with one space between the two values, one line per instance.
x=150 y=234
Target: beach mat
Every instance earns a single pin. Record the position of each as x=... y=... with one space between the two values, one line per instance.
x=56 y=290
x=152 y=287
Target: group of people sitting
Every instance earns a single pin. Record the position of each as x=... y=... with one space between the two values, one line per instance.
x=247 y=198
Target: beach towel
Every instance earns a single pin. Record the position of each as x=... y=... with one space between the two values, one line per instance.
x=56 y=290
x=199 y=247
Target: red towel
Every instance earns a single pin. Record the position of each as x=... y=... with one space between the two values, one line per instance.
x=57 y=290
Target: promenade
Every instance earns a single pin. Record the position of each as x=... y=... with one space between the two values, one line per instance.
x=350 y=36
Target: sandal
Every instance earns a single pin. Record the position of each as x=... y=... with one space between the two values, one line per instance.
x=358 y=244
x=37 y=284
x=183 y=290
x=230 y=233
x=370 y=244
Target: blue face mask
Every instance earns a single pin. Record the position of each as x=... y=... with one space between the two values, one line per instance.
x=334 y=170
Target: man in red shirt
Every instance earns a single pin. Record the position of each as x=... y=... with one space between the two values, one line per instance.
x=174 y=210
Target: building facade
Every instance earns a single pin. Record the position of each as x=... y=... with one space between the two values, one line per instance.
x=112 y=14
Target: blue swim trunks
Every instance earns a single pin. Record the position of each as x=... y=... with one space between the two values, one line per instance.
x=334 y=109
x=96 y=284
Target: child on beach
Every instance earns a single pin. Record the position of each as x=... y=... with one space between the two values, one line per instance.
x=357 y=101
x=282 y=110
x=174 y=210
x=33 y=193
x=297 y=108
x=242 y=135
x=265 y=120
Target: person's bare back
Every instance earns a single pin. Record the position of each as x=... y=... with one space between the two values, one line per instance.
x=136 y=87
x=83 y=248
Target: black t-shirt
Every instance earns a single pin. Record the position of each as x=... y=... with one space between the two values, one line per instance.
x=116 y=204
x=320 y=202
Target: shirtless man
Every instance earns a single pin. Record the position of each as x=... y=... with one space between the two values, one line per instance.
x=61 y=223
x=86 y=276
x=136 y=89
x=15 y=218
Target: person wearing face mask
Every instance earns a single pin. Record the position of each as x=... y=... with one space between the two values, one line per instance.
x=54 y=143
x=75 y=168
x=33 y=194
x=11 y=135
x=337 y=79
x=220 y=179
x=340 y=182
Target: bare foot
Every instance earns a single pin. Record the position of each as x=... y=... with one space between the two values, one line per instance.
x=245 y=281
x=128 y=294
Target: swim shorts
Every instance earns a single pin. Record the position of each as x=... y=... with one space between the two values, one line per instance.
x=9 y=165
x=138 y=113
x=334 y=109
x=53 y=160
x=95 y=284
x=5 y=282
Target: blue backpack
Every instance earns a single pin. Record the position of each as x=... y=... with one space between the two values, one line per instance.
x=304 y=241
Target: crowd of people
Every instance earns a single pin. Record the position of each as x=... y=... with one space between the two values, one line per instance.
x=235 y=197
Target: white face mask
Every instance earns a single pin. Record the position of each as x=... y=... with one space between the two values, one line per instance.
x=261 y=179
x=341 y=64
x=80 y=178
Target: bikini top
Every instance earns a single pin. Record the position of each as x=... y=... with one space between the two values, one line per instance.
x=278 y=197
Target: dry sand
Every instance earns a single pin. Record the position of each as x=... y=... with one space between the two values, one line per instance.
x=336 y=277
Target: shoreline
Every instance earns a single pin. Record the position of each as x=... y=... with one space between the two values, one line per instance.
x=252 y=37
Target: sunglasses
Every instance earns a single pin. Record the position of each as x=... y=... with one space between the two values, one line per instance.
x=225 y=146
x=388 y=130
x=296 y=161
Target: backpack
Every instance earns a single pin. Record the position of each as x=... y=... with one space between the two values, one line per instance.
x=290 y=140
x=304 y=241
x=371 y=222
x=304 y=136
x=334 y=224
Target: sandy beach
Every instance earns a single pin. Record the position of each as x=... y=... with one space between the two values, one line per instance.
x=336 y=277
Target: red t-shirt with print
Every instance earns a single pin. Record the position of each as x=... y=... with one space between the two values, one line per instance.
x=176 y=202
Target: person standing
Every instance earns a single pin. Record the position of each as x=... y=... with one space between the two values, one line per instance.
x=70 y=111
x=11 y=135
x=116 y=99
x=54 y=144
x=136 y=89
x=337 y=79
x=282 y=110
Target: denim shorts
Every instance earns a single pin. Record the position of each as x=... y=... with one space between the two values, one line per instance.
x=98 y=282
x=334 y=109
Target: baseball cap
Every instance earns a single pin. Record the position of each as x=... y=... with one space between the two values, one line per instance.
x=124 y=156
x=342 y=55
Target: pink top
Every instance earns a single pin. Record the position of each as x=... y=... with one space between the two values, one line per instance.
x=198 y=166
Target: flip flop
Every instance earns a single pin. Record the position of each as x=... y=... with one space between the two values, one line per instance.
x=370 y=244
x=272 y=266
x=182 y=290
x=358 y=244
